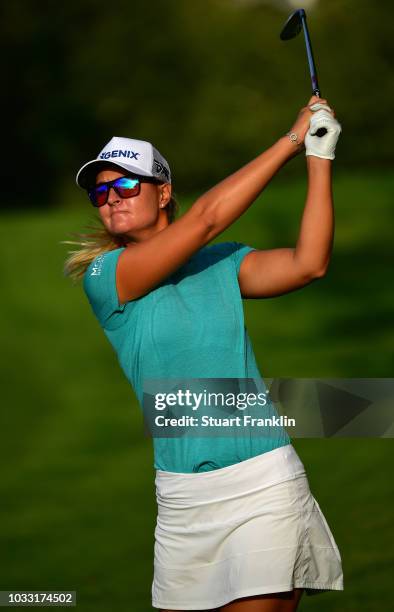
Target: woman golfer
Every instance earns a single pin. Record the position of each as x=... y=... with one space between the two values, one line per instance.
x=238 y=528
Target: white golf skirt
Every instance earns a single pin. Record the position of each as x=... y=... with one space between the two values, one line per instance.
x=247 y=529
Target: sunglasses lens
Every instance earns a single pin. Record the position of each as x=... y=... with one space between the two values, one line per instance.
x=98 y=195
x=127 y=187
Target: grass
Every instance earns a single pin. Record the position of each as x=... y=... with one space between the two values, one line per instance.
x=78 y=507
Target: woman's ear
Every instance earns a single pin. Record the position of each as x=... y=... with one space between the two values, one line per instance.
x=165 y=192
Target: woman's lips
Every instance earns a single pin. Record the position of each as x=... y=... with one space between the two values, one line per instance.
x=117 y=212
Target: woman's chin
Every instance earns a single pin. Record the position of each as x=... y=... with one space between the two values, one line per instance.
x=120 y=225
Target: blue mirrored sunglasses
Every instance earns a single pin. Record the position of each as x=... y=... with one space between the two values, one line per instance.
x=124 y=186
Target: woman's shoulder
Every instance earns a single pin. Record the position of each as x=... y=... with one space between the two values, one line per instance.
x=96 y=265
x=99 y=283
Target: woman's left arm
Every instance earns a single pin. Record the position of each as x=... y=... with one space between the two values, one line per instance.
x=272 y=272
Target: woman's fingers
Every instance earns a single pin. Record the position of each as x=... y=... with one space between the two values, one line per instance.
x=319 y=105
x=315 y=99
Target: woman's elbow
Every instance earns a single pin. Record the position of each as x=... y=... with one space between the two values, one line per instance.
x=320 y=272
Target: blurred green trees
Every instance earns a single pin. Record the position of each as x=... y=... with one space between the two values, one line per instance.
x=209 y=82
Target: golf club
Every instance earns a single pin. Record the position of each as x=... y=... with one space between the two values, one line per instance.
x=293 y=26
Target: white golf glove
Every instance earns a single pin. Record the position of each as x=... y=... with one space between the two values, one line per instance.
x=322 y=146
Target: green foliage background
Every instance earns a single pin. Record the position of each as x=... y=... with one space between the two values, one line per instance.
x=209 y=82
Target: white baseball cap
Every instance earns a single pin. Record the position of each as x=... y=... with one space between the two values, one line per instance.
x=137 y=156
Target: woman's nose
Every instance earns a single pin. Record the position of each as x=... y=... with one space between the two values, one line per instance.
x=113 y=197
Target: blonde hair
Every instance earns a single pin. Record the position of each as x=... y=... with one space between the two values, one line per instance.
x=98 y=240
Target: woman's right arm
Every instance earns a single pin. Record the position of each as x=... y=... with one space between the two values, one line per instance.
x=145 y=264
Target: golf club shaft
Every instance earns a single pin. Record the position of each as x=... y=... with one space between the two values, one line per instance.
x=311 y=62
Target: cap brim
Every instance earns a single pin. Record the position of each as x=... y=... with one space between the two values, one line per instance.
x=88 y=172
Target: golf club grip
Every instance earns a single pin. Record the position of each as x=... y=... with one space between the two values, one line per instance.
x=321 y=131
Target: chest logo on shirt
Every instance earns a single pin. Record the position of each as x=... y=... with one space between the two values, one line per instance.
x=96 y=269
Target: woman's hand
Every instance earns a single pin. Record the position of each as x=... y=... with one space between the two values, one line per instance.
x=302 y=123
x=322 y=146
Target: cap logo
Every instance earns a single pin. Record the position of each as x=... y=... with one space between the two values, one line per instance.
x=161 y=169
x=120 y=153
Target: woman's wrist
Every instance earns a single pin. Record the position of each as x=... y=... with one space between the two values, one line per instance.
x=293 y=143
x=318 y=163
